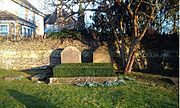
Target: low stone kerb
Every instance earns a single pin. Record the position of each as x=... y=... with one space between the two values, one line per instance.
x=75 y=80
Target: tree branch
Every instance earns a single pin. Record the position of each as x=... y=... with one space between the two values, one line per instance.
x=148 y=3
x=148 y=16
x=129 y=8
x=137 y=7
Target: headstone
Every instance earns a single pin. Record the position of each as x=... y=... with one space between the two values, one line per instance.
x=101 y=55
x=70 y=55
x=87 y=56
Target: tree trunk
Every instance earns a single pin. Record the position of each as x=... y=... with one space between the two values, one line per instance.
x=131 y=58
x=81 y=23
x=174 y=23
x=122 y=52
x=122 y=48
x=128 y=67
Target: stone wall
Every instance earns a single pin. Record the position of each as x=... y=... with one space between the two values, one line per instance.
x=14 y=59
x=32 y=54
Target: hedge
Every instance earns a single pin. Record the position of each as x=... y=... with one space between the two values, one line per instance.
x=84 y=70
x=64 y=34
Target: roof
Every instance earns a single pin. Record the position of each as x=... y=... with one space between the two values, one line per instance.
x=4 y=15
x=51 y=19
x=46 y=17
x=28 y=5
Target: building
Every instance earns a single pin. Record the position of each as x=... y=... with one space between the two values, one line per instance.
x=50 y=22
x=20 y=18
x=55 y=22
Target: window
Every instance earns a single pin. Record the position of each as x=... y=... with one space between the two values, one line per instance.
x=24 y=31
x=4 y=29
x=27 y=31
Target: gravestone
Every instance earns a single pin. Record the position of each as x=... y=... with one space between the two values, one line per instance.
x=70 y=55
x=87 y=56
x=101 y=55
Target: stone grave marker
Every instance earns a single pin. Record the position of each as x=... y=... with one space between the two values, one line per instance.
x=70 y=55
x=101 y=55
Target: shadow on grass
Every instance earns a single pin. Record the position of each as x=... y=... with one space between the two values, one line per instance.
x=117 y=98
x=30 y=101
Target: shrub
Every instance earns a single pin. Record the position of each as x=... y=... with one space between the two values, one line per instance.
x=83 y=69
x=64 y=34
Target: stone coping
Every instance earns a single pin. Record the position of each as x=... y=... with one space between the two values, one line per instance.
x=75 y=80
x=175 y=81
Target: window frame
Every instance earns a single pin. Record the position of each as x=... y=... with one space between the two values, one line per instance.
x=26 y=31
x=5 y=31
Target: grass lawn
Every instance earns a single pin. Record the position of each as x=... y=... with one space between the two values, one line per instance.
x=146 y=91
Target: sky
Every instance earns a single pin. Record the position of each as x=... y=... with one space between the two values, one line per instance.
x=39 y=4
x=35 y=2
x=46 y=9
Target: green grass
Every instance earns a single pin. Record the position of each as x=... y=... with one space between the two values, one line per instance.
x=146 y=91
x=83 y=69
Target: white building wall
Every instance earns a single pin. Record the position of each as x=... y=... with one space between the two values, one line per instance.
x=39 y=20
x=10 y=6
x=22 y=12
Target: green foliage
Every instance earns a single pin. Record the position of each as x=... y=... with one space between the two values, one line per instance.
x=64 y=34
x=158 y=42
x=161 y=54
x=83 y=69
x=104 y=84
x=122 y=80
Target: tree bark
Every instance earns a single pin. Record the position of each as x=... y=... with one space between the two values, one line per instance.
x=174 y=23
x=131 y=57
x=81 y=23
x=122 y=52
x=128 y=68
